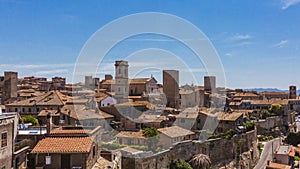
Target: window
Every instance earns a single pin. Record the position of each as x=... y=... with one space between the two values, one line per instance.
x=29 y=109
x=4 y=139
x=94 y=151
x=16 y=109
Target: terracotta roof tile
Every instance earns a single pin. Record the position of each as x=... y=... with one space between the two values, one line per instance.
x=64 y=145
x=64 y=131
x=49 y=98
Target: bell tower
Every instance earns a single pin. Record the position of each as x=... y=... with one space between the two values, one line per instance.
x=121 y=81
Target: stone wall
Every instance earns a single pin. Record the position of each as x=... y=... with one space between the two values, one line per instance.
x=268 y=123
x=219 y=150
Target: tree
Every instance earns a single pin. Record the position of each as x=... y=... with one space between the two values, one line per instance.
x=249 y=125
x=181 y=164
x=152 y=136
x=293 y=138
x=200 y=161
x=265 y=113
x=276 y=109
x=30 y=119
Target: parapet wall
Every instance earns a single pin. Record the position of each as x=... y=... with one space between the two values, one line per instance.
x=219 y=150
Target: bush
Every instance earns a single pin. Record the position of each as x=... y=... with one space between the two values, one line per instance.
x=142 y=148
x=260 y=148
x=181 y=164
x=30 y=119
x=249 y=126
x=276 y=109
x=113 y=146
x=293 y=138
x=227 y=135
x=251 y=117
x=265 y=113
x=297 y=158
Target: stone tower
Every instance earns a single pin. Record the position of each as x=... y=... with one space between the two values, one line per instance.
x=121 y=81
x=210 y=83
x=10 y=85
x=88 y=81
x=171 y=87
x=293 y=92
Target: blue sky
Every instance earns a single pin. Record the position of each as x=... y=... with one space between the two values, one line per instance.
x=257 y=41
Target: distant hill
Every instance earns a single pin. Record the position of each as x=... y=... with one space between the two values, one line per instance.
x=259 y=90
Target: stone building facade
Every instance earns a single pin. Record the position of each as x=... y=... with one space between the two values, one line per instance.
x=8 y=132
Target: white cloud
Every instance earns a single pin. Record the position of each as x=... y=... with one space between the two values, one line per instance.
x=45 y=70
x=33 y=66
x=51 y=72
x=228 y=54
x=288 y=3
x=241 y=37
x=280 y=44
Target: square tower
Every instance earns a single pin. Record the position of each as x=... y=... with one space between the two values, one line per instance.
x=10 y=85
x=171 y=87
x=293 y=92
x=210 y=83
x=121 y=81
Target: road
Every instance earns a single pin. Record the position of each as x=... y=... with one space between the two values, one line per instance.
x=267 y=153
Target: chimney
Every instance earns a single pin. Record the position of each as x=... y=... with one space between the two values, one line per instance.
x=49 y=123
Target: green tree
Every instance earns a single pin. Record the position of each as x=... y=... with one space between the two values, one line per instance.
x=249 y=125
x=152 y=136
x=181 y=164
x=293 y=138
x=265 y=113
x=276 y=109
x=30 y=119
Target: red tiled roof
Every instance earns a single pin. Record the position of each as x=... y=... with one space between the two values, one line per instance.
x=61 y=131
x=64 y=145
